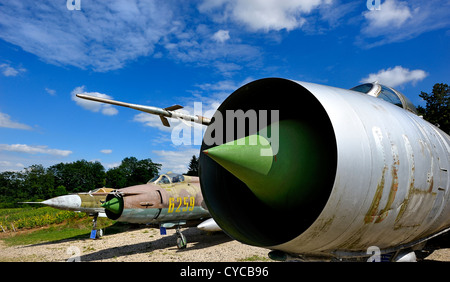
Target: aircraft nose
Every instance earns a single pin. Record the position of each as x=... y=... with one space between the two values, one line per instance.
x=66 y=202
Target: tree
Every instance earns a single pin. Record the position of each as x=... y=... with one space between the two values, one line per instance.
x=437 y=109
x=38 y=182
x=132 y=172
x=79 y=176
x=193 y=167
x=116 y=178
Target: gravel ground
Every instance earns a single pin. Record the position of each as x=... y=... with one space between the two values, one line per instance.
x=147 y=245
x=141 y=245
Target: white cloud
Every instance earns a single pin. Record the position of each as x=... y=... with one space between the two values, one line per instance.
x=50 y=91
x=106 y=151
x=5 y=121
x=9 y=164
x=112 y=165
x=194 y=46
x=396 y=76
x=264 y=15
x=154 y=121
x=7 y=70
x=221 y=35
x=22 y=148
x=175 y=161
x=104 y=35
x=401 y=20
x=391 y=14
x=92 y=106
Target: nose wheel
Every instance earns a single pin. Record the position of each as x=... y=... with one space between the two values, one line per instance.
x=181 y=240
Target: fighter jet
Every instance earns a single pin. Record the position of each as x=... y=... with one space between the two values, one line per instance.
x=88 y=202
x=342 y=172
x=170 y=200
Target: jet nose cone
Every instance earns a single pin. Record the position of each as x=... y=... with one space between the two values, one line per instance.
x=244 y=155
x=67 y=202
x=280 y=173
x=115 y=205
x=209 y=225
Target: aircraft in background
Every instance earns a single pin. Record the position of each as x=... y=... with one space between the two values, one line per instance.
x=169 y=200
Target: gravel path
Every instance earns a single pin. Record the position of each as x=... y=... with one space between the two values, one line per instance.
x=147 y=245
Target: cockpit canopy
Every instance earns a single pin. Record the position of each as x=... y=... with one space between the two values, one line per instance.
x=167 y=178
x=386 y=93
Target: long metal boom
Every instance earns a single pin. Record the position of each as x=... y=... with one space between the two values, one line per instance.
x=163 y=113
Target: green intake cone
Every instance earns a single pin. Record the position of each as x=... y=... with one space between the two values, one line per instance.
x=243 y=156
x=282 y=178
x=115 y=205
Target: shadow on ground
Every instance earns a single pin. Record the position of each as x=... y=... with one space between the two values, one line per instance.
x=196 y=238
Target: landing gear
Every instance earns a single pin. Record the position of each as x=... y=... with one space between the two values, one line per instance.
x=94 y=233
x=181 y=240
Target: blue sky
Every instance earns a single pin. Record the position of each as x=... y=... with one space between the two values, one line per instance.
x=163 y=53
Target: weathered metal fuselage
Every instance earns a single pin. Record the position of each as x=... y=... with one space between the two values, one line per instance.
x=381 y=178
x=92 y=201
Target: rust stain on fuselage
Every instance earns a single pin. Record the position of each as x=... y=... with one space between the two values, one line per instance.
x=372 y=212
x=392 y=193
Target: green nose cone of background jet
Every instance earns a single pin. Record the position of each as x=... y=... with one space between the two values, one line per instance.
x=114 y=205
x=280 y=175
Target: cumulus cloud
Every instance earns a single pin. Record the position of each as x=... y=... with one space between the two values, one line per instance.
x=106 y=151
x=28 y=149
x=8 y=70
x=221 y=36
x=391 y=14
x=396 y=76
x=5 y=121
x=264 y=15
x=92 y=106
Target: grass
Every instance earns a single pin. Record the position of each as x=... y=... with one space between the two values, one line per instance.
x=22 y=218
x=51 y=225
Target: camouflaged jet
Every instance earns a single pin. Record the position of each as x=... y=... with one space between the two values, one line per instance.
x=169 y=200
